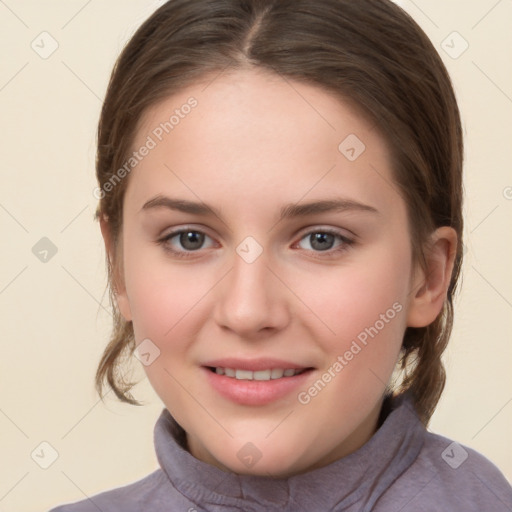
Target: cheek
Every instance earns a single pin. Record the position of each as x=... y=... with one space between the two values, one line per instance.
x=365 y=303
x=161 y=295
x=167 y=309
x=365 y=308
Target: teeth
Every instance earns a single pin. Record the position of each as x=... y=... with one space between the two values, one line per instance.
x=262 y=375
x=243 y=375
x=274 y=373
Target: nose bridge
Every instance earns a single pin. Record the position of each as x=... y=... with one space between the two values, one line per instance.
x=250 y=298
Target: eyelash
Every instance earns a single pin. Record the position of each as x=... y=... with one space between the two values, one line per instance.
x=344 y=246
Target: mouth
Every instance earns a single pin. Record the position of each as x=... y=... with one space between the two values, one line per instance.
x=259 y=375
x=256 y=382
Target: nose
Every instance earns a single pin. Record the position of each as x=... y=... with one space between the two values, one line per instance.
x=251 y=300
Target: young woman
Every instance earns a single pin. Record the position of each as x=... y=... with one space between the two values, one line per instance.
x=280 y=188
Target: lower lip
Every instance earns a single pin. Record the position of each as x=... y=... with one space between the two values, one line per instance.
x=255 y=392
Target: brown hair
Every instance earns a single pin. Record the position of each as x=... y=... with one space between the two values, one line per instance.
x=369 y=51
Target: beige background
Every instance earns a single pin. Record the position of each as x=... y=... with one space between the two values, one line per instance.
x=55 y=316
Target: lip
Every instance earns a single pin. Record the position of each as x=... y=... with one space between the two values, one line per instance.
x=262 y=363
x=254 y=392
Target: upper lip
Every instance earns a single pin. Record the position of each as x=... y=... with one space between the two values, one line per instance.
x=263 y=363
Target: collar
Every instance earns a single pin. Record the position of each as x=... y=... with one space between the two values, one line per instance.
x=361 y=477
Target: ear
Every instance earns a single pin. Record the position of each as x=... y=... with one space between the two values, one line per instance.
x=429 y=287
x=115 y=256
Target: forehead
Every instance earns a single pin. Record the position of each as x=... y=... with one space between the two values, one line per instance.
x=255 y=131
x=267 y=106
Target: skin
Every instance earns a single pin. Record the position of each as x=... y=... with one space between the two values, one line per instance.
x=252 y=145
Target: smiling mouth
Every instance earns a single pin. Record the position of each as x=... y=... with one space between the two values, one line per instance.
x=260 y=375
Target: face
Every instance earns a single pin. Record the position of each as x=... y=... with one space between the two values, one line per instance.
x=266 y=266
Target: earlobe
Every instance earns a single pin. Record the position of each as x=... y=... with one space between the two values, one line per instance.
x=430 y=287
x=114 y=256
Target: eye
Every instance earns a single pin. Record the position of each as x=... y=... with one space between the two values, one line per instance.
x=185 y=241
x=325 y=241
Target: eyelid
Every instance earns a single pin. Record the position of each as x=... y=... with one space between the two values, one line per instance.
x=173 y=230
x=169 y=232
x=301 y=233
x=318 y=228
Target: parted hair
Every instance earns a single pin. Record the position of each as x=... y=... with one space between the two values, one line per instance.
x=368 y=52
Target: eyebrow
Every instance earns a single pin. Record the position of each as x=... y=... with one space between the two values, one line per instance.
x=287 y=211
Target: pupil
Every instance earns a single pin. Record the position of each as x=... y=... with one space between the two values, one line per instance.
x=322 y=241
x=191 y=240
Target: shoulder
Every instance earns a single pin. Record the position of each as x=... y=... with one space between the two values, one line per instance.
x=143 y=494
x=449 y=476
